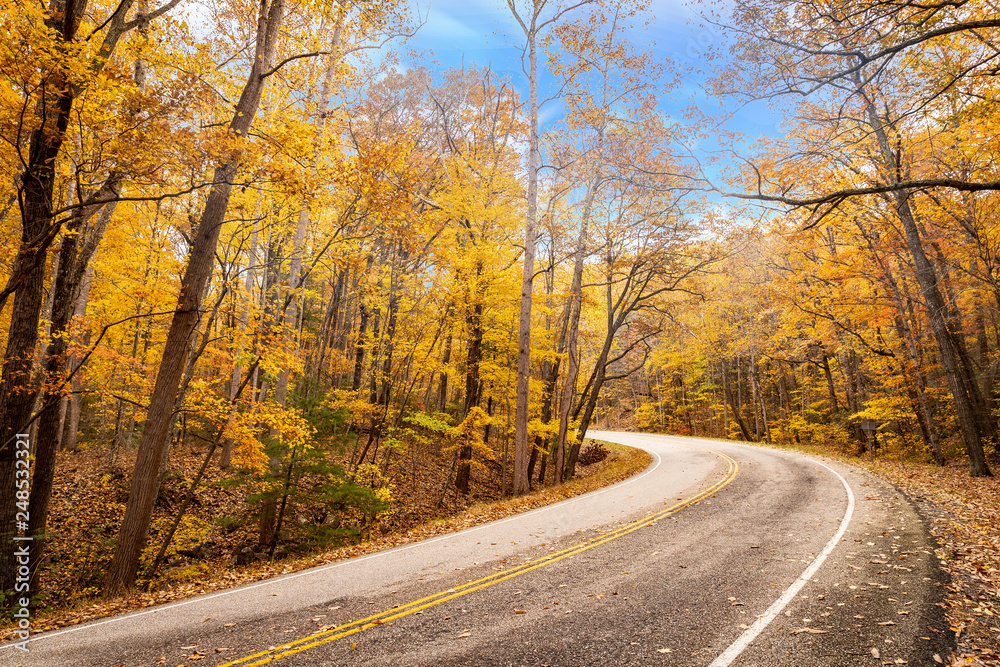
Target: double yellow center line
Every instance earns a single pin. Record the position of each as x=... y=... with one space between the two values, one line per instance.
x=354 y=627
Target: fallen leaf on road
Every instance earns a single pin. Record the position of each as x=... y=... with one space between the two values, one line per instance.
x=464 y=634
x=744 y=626
x=887 y=623
x=875 y=653
x=663 y=650
x=222 y=650
x=520 y=611
x=812 y=631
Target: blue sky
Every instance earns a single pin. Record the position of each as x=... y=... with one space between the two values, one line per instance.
x=482 y=32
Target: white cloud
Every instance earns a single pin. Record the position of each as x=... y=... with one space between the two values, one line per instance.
x=445 y=26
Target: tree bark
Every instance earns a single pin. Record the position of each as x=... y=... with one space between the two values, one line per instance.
x=71 y=423
x=142 y=493
x=78 y=247
x=831 y=390
x=520 y=478
x=38 y=231
x=964 y=389
x=737 y=415
x=572 y=334
x=226 y=456
x=473 y=386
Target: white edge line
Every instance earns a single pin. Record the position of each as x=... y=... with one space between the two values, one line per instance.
x=322 y=568
x=726 y=657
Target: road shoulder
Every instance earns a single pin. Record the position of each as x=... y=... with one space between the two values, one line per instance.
x=881 y=599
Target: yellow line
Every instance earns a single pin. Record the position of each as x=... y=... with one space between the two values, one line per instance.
x=375 y=620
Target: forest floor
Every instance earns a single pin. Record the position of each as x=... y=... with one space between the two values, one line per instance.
x=208 y=555
x=963 y=514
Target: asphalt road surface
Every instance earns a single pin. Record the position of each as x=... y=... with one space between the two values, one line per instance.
x=717 y=554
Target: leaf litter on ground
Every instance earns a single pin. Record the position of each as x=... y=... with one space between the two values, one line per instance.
x=80 y=505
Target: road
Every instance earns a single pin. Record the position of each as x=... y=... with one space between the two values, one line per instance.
x=717 y=554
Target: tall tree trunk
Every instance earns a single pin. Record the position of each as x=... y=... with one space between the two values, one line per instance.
x=330 y=322
x=831 y=390
x=473 y=386
x=550 y=371
x=359 y=344
x=35 y=191
x=294 y=281
x=737 y=414
x=270 y=329
x=226 y=456
x=143 y=490
x=573 y=332
x=964 y=389
x=78 y=247
x=71 y=423
x=590 y=399
x=520 y=478
x=198 y=345
x=38 y=230
x=443 y=387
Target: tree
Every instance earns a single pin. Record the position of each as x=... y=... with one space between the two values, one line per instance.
x=533 y=21
x=57 y=80
x=876 y=91
x=142 y=493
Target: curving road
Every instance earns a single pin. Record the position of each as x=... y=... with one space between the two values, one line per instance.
x=717 y=554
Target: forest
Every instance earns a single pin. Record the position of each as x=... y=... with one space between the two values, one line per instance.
x=265 y=231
